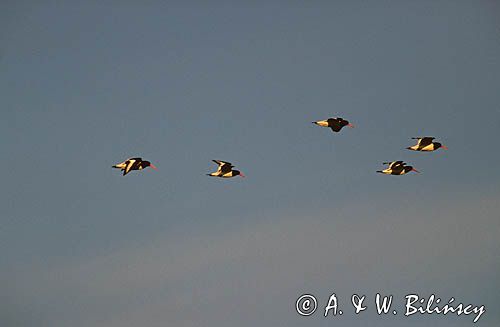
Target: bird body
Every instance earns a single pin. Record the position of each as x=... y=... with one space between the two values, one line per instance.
x=426 y=144
x=397 y=168
x=133 y=164
x=225 y=170
x=335 y=124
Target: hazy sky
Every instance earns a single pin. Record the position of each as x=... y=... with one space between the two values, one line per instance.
x=87 y=84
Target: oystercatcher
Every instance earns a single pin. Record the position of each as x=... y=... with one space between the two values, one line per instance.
x=225 y=170
x=133 y=164
x=426 y=144
x=335 y=124
x=397 y=168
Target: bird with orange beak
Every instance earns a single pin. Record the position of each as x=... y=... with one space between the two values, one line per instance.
x=133 y=164
x=426 y=144
x=335 y=124
x=397 y=168
x=225 y=170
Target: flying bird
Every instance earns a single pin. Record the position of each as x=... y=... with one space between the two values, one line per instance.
x=335 y=124
x=397 y=168
x=426 y=144
x=225 y=170
x=133 y=164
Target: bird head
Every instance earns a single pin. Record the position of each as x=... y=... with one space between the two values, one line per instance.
x=438 y=145
x=410 y=168
x=148 y=164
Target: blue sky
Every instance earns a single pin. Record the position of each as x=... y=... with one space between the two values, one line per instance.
x=86 y=85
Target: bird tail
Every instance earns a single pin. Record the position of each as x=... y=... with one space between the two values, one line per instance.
x=120 y=165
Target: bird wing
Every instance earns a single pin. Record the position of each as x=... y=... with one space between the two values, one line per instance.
x=226 y=169
x=395 y=164
x=336 y=128
x=397 y=169
x=224 y=166
x=220 y=162
x=335 y=124
x=128 y=165
x=123 y=164
x=424 y=141
x=391 y=163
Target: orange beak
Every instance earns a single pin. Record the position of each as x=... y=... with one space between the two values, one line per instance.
x=153 y=166
x=444 y=147
x=413 y=169
x=242 y=175
x=350 y=125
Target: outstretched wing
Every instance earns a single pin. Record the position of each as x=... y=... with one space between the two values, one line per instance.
x=395 y=164
x=396 y=170
x=336 y=127
x=423 y=141
x=123 y=165
x=224 y=166
x=129 y=164
x=335 y=124
x=220 y=162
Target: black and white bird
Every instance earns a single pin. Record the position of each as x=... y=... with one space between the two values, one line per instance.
x=225 y=170
x=397 y=168
x=426 y=144
x=335 y=124
x=133 y=164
